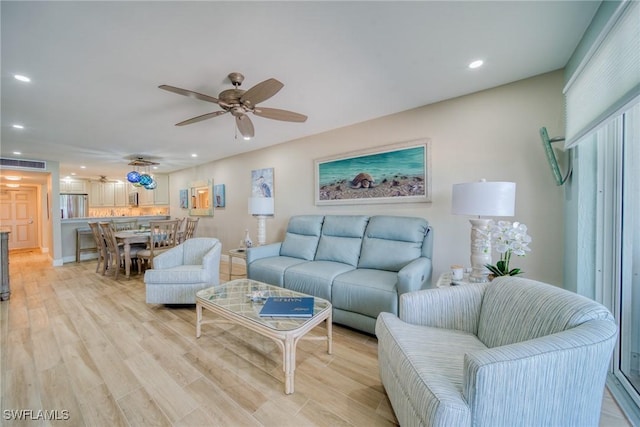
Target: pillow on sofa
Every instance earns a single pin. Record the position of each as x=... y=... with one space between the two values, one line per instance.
x=391 y=242
x=301 y=240
x=341 y=238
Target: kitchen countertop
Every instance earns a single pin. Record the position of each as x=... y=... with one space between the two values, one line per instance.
x=109 y=218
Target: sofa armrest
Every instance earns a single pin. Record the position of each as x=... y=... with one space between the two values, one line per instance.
x=455 y=307
x=169 y=258
x=414 y=275
x=265 y=251
x=555 y=368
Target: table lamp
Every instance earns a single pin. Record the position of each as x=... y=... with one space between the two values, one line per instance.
x=261 y=208
x=482 y=199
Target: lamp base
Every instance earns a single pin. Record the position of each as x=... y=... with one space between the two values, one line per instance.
x=262 y=229
x=480 y=250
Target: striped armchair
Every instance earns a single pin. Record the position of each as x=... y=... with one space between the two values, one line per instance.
x=510 y=352
x=183 y=270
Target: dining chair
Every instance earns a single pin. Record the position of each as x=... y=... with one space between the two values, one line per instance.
x=115 y=258
x=163 y=235
x=101 y=247
x=190 y=229
x=122 y=225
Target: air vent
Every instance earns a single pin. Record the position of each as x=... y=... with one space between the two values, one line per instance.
x=23 y=164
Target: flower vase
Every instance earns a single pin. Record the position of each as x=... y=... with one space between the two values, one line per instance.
x=247 y=240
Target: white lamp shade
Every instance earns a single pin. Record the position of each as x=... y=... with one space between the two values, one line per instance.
x=261 y=205
x=484 y=198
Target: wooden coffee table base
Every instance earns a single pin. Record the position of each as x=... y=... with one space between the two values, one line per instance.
x=286 y=340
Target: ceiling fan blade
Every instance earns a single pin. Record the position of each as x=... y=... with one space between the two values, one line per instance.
x=277 y=114
x=189 y=93
x=261 y=92
x=201 y=118
x=245 y=126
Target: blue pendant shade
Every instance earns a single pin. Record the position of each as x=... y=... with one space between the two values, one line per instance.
x=145 y=179
x=133 y=177
x=153 y=184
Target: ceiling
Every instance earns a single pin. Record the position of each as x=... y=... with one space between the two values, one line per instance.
x=95 y=68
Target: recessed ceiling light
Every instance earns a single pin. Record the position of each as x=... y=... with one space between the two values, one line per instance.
x=155 y=167
x=476 y=64
x=73 y=174
x=22 y=78
x=83 y=167
x=17 y=153
x=194 y=155
x=18 y=126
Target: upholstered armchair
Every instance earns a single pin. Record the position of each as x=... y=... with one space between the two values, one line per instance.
x=513 y=352
x=181 y=271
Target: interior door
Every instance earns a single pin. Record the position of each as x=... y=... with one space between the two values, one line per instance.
x=18 y=208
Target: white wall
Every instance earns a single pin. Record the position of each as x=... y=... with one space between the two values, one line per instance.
x=491 y=134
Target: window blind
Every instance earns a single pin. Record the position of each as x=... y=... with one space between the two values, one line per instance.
x=608 y=78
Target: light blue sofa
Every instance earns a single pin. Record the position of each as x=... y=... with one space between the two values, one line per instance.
x=361 y=264
x=514 y=352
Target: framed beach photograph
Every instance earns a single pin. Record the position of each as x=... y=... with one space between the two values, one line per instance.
x=397 y=173
x=218 y=196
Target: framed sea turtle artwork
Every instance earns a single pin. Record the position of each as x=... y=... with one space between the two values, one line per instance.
x=397 y=173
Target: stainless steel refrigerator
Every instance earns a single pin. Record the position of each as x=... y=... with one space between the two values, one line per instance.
x=74 y=205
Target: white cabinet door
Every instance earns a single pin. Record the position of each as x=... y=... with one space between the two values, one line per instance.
x=121 y=195
x=73 y=187
x=96 y=195
x=161 y=193
x=158 y=196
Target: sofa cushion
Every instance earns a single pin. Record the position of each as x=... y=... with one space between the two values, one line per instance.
x=179 y=274
x=314 y=278
x=366 y=291
x=341 y=238
x=391 y=242
x=271 y=269
x=301 y=240
x=515 y=309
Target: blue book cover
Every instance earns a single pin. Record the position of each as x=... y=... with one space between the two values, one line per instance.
x=288 y=307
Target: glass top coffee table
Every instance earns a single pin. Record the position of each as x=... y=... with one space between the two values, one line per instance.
x=240 y=301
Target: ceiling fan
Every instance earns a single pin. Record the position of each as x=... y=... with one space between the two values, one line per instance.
x=239 y=102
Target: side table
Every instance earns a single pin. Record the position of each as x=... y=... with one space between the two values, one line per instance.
x=444 y=281
x=236 y=253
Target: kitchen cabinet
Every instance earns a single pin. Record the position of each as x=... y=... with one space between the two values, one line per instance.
x=73 y=186
x=157 y=196
x=107 y=194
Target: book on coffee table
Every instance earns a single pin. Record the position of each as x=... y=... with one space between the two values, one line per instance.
x=288 y=307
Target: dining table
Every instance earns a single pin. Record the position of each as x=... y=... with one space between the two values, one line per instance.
x=127 y=238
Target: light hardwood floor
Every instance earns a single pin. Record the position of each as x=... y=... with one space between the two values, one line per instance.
x=90 y=348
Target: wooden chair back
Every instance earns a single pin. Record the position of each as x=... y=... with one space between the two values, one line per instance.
x=123 y=225
x=113 y=249
x=163 y=235
x=190 y=229
x=101 y=246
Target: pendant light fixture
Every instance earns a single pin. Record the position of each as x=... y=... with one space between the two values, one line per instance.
x=143 y=179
